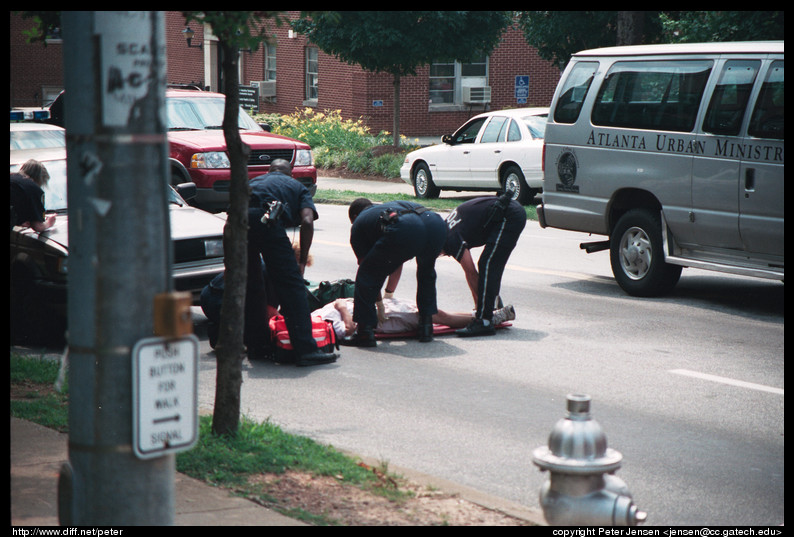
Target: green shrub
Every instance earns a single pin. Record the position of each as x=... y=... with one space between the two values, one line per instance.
x=339 y=143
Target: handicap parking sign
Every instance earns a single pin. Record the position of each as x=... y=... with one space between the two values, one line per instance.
x=522 y=89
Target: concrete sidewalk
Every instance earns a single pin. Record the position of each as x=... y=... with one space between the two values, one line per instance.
x=37 y=454
x=36 y=457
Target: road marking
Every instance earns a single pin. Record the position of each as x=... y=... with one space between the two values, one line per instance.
x=725 y=380
x=548 y=272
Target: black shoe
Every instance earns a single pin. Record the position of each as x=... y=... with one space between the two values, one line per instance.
x=260 y=353
x=212 y=333
x=425 y=329
x=365 y=337
x=477 y=328
x=316 y=358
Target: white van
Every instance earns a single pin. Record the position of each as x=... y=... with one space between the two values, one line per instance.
x=675 y=152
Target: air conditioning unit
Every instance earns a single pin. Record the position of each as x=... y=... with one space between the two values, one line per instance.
x=267 y=88
x=476 y=94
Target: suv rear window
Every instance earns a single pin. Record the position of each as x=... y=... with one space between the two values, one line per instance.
x=654 y=95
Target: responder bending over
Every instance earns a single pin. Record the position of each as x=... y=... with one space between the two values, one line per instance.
x=496 y=223
x=383 y=237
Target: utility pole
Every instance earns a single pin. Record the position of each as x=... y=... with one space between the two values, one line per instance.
x=119 y=259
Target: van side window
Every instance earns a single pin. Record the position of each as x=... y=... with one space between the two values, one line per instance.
x=729 y=101
x=767 y=118
x=654 y=95
x=574 y=91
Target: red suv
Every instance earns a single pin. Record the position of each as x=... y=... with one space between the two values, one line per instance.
x=197 y=148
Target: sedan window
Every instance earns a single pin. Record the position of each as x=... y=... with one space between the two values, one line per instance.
x=513 y=133
x=536 y=125
x=468 y=133
x=37 y=139
x=494 y=130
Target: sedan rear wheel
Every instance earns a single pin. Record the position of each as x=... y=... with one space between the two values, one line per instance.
x=513 y=180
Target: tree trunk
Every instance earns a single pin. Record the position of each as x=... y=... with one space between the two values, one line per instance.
x=396 y=129
x=631 y=26
x=229 y=350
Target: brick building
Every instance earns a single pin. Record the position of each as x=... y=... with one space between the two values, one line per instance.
x=291 y=73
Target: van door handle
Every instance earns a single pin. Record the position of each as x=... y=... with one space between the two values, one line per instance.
x=749 y=180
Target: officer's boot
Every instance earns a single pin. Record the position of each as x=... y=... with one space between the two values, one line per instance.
x=425 y=328
x=365 y=337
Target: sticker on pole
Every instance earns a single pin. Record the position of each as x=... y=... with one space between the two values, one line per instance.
x=164 y=395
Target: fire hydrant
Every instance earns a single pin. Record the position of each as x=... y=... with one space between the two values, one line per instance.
x=581 y=488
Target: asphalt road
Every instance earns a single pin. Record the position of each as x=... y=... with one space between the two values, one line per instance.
x=689 y=388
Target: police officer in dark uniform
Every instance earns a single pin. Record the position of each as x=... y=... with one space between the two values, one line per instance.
x=383 y=237
x=496 y=223
x=279 y=201
x=211 y=300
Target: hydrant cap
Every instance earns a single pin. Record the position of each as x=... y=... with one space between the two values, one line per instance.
x=577 y=444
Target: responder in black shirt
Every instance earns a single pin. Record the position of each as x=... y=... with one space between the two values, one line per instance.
x=284 y=202
x=383 y=237
x=493 y=222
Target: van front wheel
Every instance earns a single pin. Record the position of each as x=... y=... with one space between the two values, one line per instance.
x=637 y=256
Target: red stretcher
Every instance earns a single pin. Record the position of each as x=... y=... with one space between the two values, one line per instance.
x=438 y=330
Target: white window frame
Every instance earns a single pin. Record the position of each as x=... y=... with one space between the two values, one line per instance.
x=459 y=81
x=270 y=61
x=312 y=76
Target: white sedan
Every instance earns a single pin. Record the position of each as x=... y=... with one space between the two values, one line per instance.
x=493 y=151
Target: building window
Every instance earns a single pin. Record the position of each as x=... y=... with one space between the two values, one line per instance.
x=447 y=79
x=270 y=62
x=311 y=74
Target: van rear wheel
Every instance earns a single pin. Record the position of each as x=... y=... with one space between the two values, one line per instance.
x=637 y=256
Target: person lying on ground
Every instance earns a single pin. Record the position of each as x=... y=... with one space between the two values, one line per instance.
x=402 y=316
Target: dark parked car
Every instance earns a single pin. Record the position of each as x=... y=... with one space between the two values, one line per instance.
x=39 y=261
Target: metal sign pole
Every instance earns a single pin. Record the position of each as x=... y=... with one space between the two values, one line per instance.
x=119 y=258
